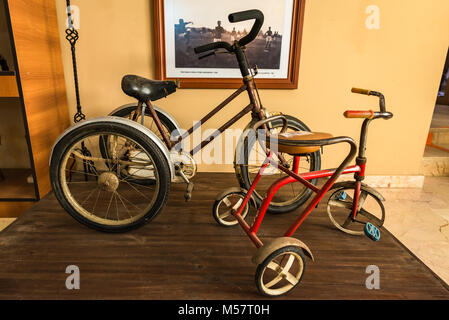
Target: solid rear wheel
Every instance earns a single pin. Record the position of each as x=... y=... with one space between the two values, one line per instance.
x=222 y=209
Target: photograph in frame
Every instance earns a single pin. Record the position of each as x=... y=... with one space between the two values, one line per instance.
x=181 y=26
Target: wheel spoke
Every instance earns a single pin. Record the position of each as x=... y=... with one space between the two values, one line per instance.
x=109 y=205
x=290 y=278
x=227 y=202
x=82 y=172
x=275 y=281
x=372 y=218
x=225 y=214
x=237 y=205
x=362 y=199
x=123 y=197
x=138 y=191
x=126 y=208
x=140 y=185
x=341 y=204
x=289 y=263
x=347 y=221
x=90 y=194
x=96 y=201
x=273 y=266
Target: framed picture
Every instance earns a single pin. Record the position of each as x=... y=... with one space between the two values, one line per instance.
x=182 y=25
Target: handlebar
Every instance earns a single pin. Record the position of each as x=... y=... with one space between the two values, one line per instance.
x=213 y=46
x=372 y=93
x=248 y=15
x=369 y=114
x=233 y=18
x=361 y=91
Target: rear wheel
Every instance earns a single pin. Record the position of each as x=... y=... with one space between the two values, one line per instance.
x=101 y=191
x=226 y=205
x=249 y=158
x=168 y=125
x=128 y=112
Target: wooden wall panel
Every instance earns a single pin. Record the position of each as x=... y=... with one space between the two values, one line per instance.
x=36 y=36
x=14 y=209
x=8 y=87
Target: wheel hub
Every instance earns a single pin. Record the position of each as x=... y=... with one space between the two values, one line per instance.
x=108 y=181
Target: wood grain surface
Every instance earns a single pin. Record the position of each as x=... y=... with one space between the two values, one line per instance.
x=184 y=254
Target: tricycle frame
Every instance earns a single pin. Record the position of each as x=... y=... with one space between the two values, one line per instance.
x=293 y=176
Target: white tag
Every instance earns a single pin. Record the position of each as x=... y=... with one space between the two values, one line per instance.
x=295 y=134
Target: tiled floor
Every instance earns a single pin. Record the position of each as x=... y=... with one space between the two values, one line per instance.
x=419 y=218
x=436 y=161
x=440 y=116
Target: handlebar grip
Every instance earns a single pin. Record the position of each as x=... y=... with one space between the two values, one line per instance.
x=213 y=46
x=361 y=91
x=368 y=114
x=248 y=15
x=245 y=15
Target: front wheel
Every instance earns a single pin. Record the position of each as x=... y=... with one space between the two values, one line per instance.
x=101 y=191
x=281 y=271
x=250 y=156
x=339 y=208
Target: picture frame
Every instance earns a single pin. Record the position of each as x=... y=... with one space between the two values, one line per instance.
x=167 y=61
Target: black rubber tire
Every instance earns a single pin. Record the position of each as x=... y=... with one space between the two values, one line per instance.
x=245 y=181
x=261 y=267
x=160 y=162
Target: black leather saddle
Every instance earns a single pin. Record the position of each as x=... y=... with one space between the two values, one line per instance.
x=147 y=90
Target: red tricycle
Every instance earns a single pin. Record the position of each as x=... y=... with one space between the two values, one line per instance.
x=353 y=207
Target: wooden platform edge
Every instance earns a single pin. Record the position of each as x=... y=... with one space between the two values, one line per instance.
x=444 y=284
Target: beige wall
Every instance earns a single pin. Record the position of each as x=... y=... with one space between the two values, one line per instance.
x=403 y=59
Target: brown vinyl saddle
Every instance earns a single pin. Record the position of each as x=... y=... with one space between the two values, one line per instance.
x=286 y=142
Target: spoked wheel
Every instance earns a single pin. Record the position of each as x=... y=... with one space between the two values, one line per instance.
x=280 y=272
x=102 y=192
x=129 y=112
x=168 y=126
x=339 y=207
x=223 y=207
x=249 y=158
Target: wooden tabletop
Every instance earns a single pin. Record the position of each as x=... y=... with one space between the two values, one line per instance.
x=184 y=254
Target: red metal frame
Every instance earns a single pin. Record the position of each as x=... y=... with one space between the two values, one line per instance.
x=292 y=177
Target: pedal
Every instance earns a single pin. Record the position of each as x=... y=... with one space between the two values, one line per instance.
x=372 y=232
x=188 y=194
x=341 y=196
